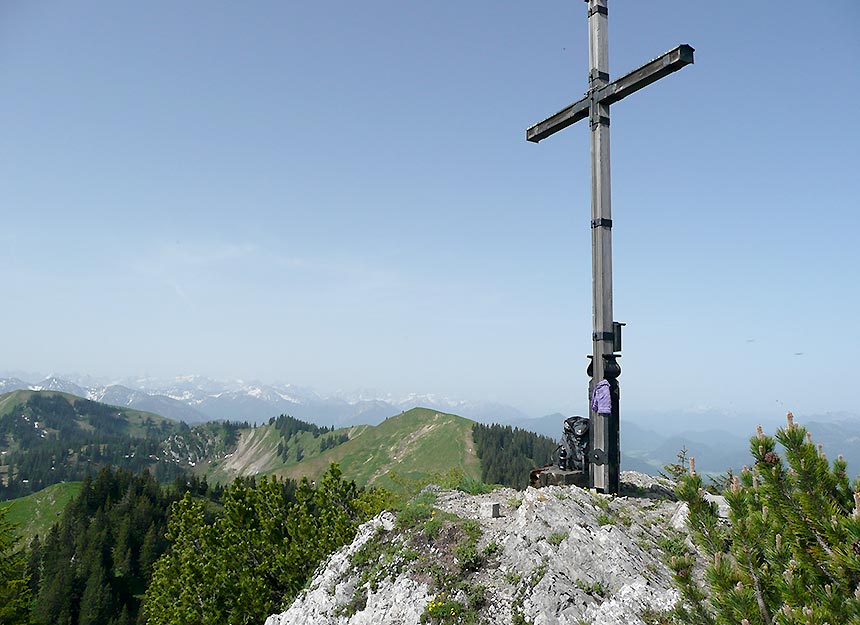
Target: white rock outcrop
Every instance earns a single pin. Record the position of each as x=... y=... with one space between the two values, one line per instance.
x=558 y=555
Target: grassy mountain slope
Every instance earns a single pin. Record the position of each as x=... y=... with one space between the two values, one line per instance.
x=414 y=444
x=34 y=514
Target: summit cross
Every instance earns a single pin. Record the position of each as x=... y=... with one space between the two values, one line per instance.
x=604 y=444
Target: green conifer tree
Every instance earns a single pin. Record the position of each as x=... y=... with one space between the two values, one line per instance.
x=790 y=552
x=96 y=602
x=34 y=563
x=14 y=583
x=178 y=590
x=150 y=550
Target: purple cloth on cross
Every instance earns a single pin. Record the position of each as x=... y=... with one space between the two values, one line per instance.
x=601 y=402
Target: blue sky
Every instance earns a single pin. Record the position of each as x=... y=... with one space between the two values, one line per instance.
x=340 y=195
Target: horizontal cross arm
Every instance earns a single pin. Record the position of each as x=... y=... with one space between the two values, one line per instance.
x=663 y=65
x=561 y=120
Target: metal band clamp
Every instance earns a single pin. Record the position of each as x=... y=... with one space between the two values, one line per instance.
x=600 y=120
x=596 y=74
x=603 y=222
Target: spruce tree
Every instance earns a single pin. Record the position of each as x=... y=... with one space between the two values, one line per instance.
x=97 y=600
x=153 y=546
x=34 y=564
x=790 y=551
x=14 y=583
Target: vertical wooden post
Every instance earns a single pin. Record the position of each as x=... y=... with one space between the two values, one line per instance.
x=604 y=476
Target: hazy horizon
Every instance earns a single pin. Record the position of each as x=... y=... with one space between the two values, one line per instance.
x=695 y=418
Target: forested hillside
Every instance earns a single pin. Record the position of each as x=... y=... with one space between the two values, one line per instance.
x=196 y=554
x=196 y=447
x=508 y=454
x=95 y=563
x=49 y=437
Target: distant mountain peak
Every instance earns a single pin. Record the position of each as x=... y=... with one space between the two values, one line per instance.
x=7 y=385
x=54 y=383
x=194 y=397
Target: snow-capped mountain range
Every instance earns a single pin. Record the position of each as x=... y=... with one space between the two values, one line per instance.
x=196 y=399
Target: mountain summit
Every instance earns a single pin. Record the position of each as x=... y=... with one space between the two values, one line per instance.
x=558 y=555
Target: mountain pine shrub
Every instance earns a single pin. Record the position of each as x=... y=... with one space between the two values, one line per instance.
x=258 y=552
x=790 y=553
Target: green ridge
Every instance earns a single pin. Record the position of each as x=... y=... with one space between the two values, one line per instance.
x=413 y=445
x=140 y=422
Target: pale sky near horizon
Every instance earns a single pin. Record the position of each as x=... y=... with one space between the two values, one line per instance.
x=340 y=195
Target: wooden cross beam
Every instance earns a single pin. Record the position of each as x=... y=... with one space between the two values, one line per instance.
x=620 y=88
x=604 y=445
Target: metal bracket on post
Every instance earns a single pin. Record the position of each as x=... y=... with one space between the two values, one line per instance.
x=598 y=457
x=596 y=74
x=598 y=120
x=614 y=337
x=603 y=222
x=602 y=10
x=616 y=330
x=595 y=119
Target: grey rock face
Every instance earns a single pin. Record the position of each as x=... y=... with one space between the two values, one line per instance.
x=334 y=586
x=682 y=511
x=559 y=555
